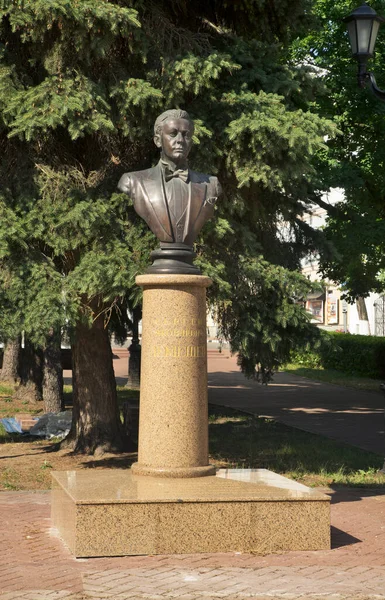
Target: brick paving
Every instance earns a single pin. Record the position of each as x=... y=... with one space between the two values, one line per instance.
x=35 y=565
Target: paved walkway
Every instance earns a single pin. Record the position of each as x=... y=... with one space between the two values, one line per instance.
x=352 y=416
x=35 y=565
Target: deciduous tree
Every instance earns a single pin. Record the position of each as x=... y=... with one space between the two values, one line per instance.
x=355 y=158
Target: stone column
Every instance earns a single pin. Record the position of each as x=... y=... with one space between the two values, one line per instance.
x=173 y=420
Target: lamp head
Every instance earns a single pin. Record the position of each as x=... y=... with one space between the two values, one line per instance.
x=363 y=24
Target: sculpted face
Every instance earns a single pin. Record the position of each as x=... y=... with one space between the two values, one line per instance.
x=175 y=140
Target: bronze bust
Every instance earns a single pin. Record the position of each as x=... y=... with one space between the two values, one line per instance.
x=174 y=201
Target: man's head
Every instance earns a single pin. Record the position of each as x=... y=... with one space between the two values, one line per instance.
x=173 y=131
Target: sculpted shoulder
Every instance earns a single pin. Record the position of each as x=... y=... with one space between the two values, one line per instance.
x=128 y=180
x=209 y=179
x=197 y=177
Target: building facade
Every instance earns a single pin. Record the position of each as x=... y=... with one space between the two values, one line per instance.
x=327 y=308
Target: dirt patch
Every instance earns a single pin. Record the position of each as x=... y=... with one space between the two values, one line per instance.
x=26 y=462
x=28 y=465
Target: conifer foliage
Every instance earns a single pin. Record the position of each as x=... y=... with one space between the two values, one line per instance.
x=81 y=83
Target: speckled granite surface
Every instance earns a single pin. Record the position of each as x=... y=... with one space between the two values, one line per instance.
x=114 y=512
x=173 y=421
x=171 y=501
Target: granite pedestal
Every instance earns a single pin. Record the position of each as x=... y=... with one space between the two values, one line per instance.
x=172 y=501
x=173 y=417
x=117 y=513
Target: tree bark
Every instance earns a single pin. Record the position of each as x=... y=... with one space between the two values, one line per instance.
x=31 y=384
x=53 y=375
x=362 y=311
x=11 y=361
x=96 y=425
x=134 y=360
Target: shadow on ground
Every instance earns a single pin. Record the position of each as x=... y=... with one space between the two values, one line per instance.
x=352 y=416
x=356 y=493
x=245 y=441
x=122 y=461
x=341 y=538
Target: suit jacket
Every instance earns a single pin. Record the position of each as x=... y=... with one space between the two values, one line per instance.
x=147 y=190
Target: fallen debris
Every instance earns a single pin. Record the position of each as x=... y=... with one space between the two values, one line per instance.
x=49 y=425
x=53 y=425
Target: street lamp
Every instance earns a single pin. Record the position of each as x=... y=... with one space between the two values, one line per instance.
x=363 y=25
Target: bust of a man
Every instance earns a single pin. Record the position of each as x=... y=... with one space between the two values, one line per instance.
x=174 y=201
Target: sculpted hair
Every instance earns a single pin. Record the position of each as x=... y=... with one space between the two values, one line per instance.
x=175 y=113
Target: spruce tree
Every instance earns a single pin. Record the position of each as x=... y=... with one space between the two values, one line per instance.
x=9 y=371
x=81 y=83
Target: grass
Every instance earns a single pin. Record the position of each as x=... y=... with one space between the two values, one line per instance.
x=5 y=389
x=337 y=377
x=5 y=398
x=9 y=407
x=237 y=440
x=243 y=441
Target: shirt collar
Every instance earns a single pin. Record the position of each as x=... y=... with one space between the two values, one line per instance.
x=166 y=163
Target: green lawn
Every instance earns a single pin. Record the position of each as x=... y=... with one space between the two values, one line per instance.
x=245 y=441
x=240 y=440
x=337 y=377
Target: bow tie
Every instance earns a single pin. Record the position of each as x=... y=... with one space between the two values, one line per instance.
x=181 y=173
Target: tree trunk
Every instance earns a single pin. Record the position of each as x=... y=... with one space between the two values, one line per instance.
x=31 y=384
x=11 y=361
x=134 y=360
x=96 y=425
x=53 y=375
x=362 y=311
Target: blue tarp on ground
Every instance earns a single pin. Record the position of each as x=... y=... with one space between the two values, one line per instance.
x=49 y=425
x=11 y=425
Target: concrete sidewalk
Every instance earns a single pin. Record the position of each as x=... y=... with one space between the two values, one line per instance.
x=35 y=565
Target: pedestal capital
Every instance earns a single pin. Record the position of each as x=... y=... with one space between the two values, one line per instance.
x=150 y=280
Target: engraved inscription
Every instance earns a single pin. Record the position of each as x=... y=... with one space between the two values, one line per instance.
x=162 y=351
x=164 y=332
x=178 y=322
x=174 y=333
x=191 y=322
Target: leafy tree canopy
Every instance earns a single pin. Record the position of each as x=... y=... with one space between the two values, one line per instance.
x=356 y=157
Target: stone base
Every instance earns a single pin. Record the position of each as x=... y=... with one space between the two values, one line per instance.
x=116 y=513
x=185 y=472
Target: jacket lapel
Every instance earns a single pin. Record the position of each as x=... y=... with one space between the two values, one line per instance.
x=153 y=186
x=197 y=196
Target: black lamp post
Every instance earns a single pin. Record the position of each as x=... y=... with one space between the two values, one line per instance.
x=363 y=25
